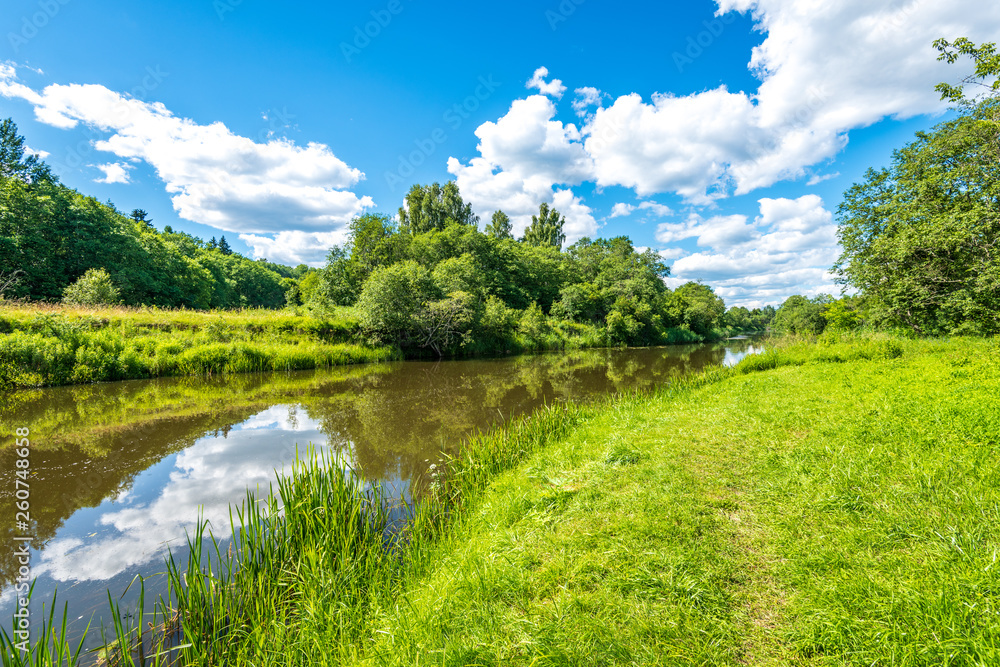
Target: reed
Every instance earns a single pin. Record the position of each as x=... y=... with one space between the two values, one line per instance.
x=48 y=345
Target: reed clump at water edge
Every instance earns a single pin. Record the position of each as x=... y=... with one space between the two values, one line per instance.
x=305 y=568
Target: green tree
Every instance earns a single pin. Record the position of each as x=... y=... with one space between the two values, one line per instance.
x=374 y=243
x=533 y=327
x=985 y=78
x=801 y=315
x=921 y=238
x=429 y=207
x=338 y=283
x=445 y=325
x=460 y=274
x=224 y=246
x=390 y=301
x=495 y=329
x=308 y=286
x=703 y=309
x=94 y=288
x=139 y=216
x=500 y=226
x=843 y=314
x=546 y=228
x=739 y=318
x=13 y=163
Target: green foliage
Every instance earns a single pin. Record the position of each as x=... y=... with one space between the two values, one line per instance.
x=987 y=73
x=921 y=238
x=13 y=163
x=500 y=226
x=497 y=326
x=445 y=325
x=702 y=309
x=73 y=347
x=460 y=274
x=139 y=216
x=800 y=315
x=430 y=207
x=843 y=314
x=390 y=301
x=94 y=288
x=546 y=228
x=308 y=285
x=533 y=328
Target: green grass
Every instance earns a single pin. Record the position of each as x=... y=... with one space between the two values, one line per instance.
x=59 y=345
x=843 y=509
x=838 y=504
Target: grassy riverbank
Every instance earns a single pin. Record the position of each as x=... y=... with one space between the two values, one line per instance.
x=49 y=345
x=821 y=513
x=824 y=504
x=58 y=345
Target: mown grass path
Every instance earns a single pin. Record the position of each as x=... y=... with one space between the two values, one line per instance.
x=823 y=514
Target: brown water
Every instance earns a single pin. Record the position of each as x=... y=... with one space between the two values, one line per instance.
x=120 y=471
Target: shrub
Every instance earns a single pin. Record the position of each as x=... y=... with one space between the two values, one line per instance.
x=497 y=325
x=391 y=298
x=533 y=327
x=93 y=288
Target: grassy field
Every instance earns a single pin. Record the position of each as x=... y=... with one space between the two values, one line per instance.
x=45 y=345
x=825 y=504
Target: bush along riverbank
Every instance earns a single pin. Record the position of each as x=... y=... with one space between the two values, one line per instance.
x=48 y=345
x=829 y=503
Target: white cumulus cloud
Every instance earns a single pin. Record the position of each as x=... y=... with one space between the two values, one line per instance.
x=114 y=172
x=586 y=97
x=824 y=70
x=295 y=247
x=555 y=88
x=787 y=249
x=214 y=177
x=28 y=150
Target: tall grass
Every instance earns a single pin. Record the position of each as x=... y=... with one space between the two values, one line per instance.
x=59 y=346
x=304 y=567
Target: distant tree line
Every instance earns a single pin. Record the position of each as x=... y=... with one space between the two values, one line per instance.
x=52 y=237
x=434 y=281
x=429 y=280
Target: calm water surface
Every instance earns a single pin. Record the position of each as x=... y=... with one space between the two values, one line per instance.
x=121 y=471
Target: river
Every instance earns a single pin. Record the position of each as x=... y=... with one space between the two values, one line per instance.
x=120 y=472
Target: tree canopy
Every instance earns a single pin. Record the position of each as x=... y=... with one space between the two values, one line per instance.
x=921 y=238
x=500 y=226
x=546 y=228
x=51 y=237
x=430 y=207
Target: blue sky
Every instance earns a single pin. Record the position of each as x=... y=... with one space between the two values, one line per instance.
x=720 y=133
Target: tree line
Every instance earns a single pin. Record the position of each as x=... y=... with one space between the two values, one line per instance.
x=430 y=279
x=54 y=239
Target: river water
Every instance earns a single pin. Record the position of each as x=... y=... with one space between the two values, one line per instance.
x=121 y=471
